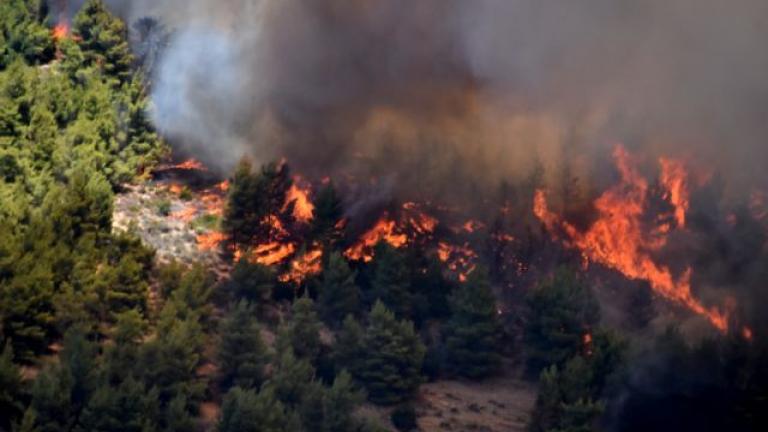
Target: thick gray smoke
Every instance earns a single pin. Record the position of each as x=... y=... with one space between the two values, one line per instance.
x=474 y=91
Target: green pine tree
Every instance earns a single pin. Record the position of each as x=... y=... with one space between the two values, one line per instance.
x=252 y=282
x=562 y=310
x=128 y=407
x=248 y=411
x=242 y=354
x=391 y=281
x=472 y=332
x=339 y=294
x=11 y=389
x=302 y=331
x=103 y=39
x=328 y=214
x=392 y=358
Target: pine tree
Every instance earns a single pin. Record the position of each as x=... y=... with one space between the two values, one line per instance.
x=302 y=332
x=103 y=39
x=328 y=214
x=252 y=282
x=11 y=389
x=547 y=410
x=169 y=362
x=120 y=359
x=23 y=33
x=348 y=351
x=51 y=407
x=393 y=355
x=177 y=417
x=127 y=407
x=248 y=411
x=391 y=280
x=473 y=329
x=339 y=403
x=246 y=206
x=242 y=353
x=291 y=380
x=562 y=310
x=331 y=409
x=339 y=295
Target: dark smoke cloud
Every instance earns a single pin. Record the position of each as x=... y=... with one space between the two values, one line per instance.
x=472 y=91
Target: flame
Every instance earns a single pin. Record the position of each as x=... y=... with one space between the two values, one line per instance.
x=303 y=209
x=60 y=31
x=674 y=179
x=186 y=214
x=423 y=224
x=210 y=240
x=189 y=164
x=384 y=230
x=308 y=264
x=272 y=253
x=617 y=239
x=460 y=259
x=472 y=225
x=586 y=340
x=746 y=332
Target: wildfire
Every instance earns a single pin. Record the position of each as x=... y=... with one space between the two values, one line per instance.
x=60 y=31
x=210 y=240
x=186 y=214
x=674 y=180
x=308 y=264
x=460 y=259
x=189 y=164
x=272 y=253
x=617 y=238
x=384 y=230
x=303 y=209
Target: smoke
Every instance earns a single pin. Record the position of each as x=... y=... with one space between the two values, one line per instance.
x=474 y=92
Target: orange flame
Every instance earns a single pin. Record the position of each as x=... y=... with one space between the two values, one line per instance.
x=674 y=179
x=186 y=214
x=384 y=230
x=189 y=164
x=460 y=259
x=617 y=240
x=308 y=264
x=210 y=240
x=272 y=253
x=303 y=209
x=60 y=31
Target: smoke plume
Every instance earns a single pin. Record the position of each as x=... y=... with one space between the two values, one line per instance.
x=474 y=92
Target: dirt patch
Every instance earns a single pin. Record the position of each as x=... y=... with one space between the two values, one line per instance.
x=496 y=405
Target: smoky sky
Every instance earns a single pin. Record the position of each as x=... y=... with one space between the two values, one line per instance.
x=435 y=93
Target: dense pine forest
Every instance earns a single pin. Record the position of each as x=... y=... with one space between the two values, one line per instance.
x=97 y=334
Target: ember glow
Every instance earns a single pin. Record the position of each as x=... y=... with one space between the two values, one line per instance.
x=618 y=240
x=459 y=259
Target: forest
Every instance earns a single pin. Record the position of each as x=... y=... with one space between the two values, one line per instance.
x=97 y=334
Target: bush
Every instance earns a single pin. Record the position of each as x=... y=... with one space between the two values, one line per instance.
x=404 y=418
x=164 y=207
